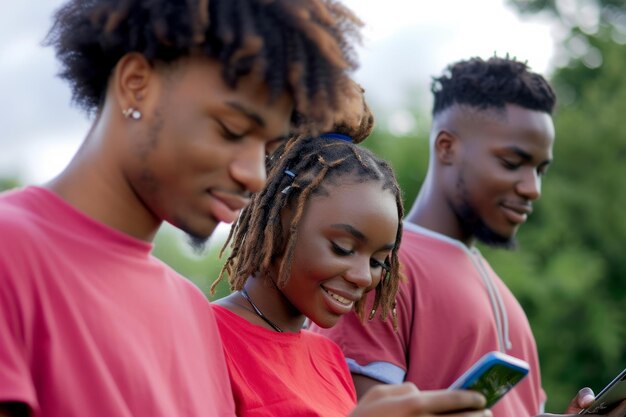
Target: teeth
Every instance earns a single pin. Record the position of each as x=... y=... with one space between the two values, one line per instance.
x=339 y=298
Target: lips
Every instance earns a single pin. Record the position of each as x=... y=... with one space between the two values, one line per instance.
x=516 y=213
x=339 y=302
x=227 y=205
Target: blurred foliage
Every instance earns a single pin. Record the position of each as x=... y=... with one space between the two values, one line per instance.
x=408 y=155
x=590 y=16
x=579 y=22
x=8 y=183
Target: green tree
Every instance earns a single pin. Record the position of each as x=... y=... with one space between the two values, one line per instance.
x=580 y=21
x=588 y=16
x=407 y=153
x=7 y=183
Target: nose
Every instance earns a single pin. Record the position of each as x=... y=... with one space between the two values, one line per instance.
x=248 y=168
x=530 y=185
x=360 y=272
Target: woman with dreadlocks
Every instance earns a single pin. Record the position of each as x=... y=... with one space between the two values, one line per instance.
x=323 y=232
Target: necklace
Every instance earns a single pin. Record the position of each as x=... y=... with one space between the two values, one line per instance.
x=258 y=312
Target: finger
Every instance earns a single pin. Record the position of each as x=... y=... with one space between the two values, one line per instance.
x=475 y=413
x=444 y=401
x=386 y=391
x=582 y=400
x=585 y=397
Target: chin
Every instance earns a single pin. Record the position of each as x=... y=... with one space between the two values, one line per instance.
x=197 y=239
x=199 y=229
x=494 y=238
x=325 y=324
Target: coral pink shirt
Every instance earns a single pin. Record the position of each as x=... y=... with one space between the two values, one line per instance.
x=92 y=325
x=284 y=374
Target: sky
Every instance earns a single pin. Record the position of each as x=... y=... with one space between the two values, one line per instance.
x=406 y=42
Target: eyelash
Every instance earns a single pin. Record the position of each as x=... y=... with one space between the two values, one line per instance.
x=229 y=134
x=341 y=251
x=345 y=252
x=509 y=165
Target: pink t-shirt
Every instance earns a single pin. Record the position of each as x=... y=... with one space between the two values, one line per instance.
x=451 y=311
x=284 y=374
x=92 y=325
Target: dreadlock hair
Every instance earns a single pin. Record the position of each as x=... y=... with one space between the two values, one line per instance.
x=258 y=240
x=303 y=47
x=492 y=84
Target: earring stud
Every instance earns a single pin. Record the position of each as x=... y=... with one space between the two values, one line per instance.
x=132 y=113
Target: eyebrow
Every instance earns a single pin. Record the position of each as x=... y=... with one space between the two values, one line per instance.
x=247 y=112
x=357 y=234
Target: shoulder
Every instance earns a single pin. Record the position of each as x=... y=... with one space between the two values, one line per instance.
x=179 y=282
x=18 y=212
x=21 y=234
x=321 y=342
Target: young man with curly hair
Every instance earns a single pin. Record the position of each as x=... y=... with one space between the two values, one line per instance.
x=188 y=97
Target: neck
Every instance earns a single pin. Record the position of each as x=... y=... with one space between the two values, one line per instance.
x=273 y=304
x=432 y=211
x=94 y=183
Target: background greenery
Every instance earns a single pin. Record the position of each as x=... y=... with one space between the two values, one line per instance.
x=569 y=273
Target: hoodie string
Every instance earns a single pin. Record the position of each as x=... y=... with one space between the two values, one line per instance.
x=497 y=304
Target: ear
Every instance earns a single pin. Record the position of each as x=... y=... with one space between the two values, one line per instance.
x=132 y=79
x=445 y=147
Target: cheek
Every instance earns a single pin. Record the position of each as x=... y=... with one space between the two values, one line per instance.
x=376 y=279
x=312 y=264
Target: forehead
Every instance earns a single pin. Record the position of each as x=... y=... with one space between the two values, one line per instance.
x=364 y=205
x=200 y=81
x=514 y=126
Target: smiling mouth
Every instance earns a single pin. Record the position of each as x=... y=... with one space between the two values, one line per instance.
x=226 y=206
x=338 y=298
x=337 y=303
x=516 y=214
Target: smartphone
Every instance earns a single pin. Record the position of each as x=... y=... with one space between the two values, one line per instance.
x=493 y=375
x=610 y=396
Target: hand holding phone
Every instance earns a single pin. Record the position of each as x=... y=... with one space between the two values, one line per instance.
x=493 y=375
x=610 y=396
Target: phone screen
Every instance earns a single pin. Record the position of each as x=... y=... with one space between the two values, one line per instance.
x=493 y=375
x=495 y=382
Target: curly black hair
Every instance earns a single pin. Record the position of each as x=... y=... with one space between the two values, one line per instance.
x=492 y=84
x=303 y=47
x=258 y=238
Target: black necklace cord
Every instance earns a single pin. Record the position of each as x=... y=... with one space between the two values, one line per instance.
x=258 y=312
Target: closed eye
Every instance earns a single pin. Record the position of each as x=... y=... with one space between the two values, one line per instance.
x=375 y=263
x=510 y=165
x=229 y=134
x=340 y=250
x=384 y=264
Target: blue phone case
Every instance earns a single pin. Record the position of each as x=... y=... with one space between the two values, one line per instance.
x=493 y=375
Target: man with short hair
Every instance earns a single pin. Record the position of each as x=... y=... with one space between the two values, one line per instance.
x=490 y=144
